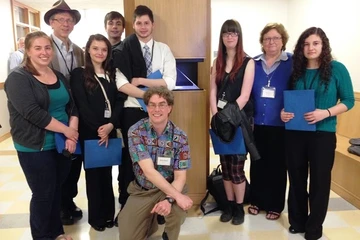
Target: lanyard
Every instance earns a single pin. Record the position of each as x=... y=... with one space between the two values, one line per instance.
x=312 y=81
x=72 y=57
x=104 y=92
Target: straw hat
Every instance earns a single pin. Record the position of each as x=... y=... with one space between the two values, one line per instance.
x=61 y=6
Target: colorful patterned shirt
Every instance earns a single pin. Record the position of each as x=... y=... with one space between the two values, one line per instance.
x=144 y=144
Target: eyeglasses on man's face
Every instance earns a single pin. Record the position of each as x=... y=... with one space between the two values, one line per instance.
x=161 y=105
x=230 y=34
x=63 y=20
x=274 y=39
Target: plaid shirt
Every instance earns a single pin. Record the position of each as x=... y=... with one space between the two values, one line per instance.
x=144 y=144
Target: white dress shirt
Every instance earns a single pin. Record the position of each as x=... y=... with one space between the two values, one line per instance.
x=162 y=60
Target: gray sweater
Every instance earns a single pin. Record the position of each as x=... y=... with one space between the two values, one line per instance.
x=28 y=104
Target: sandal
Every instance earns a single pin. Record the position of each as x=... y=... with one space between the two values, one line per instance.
x=270 y=215
x=64 y=237
x=253 y=210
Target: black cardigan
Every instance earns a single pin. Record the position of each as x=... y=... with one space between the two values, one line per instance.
x=129 y=59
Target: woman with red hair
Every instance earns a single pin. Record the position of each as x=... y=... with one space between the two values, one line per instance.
x=232 y=78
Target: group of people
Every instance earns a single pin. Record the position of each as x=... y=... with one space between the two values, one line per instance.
x=90 y=95
x=256 y=85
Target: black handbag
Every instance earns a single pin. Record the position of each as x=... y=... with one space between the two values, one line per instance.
x=215 y=187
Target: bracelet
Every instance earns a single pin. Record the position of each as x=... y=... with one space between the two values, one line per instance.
x=329 y=112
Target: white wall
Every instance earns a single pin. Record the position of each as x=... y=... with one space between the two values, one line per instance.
x=341 y=22
x=252 y=15
x=339 y=19
x=7 y=46
x=92 y=22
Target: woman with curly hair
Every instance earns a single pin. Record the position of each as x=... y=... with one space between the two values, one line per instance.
x=314 y=68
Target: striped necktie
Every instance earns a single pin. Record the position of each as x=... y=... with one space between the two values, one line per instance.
x=147 y=58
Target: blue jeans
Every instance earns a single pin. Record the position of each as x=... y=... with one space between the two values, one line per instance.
x=45 y=173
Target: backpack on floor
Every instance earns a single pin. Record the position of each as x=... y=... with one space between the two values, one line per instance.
x=215 y=188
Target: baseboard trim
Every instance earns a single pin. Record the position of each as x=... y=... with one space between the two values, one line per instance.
x=5 y=136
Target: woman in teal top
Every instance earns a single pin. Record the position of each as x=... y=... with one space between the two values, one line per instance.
x=314 y=68
x=39 y=100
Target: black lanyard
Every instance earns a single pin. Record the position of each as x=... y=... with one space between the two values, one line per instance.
x=312 y=81
x=72 y=57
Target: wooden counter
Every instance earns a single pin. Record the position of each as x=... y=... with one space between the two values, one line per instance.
x=189 y=113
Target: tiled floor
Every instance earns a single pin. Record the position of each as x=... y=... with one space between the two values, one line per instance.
x=342 y=221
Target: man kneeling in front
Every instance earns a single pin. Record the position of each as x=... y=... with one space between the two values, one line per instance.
x=160 y=155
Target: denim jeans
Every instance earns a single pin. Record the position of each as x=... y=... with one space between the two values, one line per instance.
x=45 y=173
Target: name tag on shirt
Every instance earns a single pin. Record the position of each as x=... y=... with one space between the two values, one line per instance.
x=221 y=103
x=268 y=92
x=163 y=161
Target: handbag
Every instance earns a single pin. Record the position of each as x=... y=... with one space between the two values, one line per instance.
x=215 y=187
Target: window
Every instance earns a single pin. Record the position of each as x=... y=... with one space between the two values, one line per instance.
x=26 y=19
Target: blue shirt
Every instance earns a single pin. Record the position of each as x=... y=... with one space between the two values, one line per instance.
x=267 y=110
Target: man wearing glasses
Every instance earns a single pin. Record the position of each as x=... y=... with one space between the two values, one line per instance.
x=67 y=56
x=160 y=156
x=136 y=59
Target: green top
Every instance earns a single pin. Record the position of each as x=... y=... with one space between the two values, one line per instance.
x=59 y=97
x=339 y=88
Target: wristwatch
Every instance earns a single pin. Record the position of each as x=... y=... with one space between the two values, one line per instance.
x=170 y=200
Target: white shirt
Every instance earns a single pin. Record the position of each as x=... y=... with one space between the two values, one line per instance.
x=15 y=59
x=162 y=60
x=68 y=56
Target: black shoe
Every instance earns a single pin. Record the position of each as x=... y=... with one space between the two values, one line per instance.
x=295 y=231
x=77 y=213
x=165 y=236
x=238 y=214
x=66 y=218
x=98 y=228
x=160 y=219
x=227 y=213
x=110 y=224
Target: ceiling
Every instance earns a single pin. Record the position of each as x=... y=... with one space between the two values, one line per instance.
x=44 y=5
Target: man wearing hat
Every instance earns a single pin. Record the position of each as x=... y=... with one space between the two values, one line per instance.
x=67 y=56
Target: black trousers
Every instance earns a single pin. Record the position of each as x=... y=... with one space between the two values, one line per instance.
x=126 y=173
x=69 y=189
x=100 y=195
x=45 y=172
x=268 y=174
x=314 y=150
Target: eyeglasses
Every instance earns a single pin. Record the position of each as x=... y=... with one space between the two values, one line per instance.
x=161 y=106
x=274 y=39
x=230 y=34
x=62 y=20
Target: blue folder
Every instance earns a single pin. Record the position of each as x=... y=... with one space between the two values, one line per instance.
x=299 y=102
x=100 y=156
x=155 y=75
x=60 y=142
x=236 y=146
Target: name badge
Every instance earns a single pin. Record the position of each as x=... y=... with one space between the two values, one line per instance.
x=268 y=92
x=221 y=103
x=163 y=161
x=107 y=114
